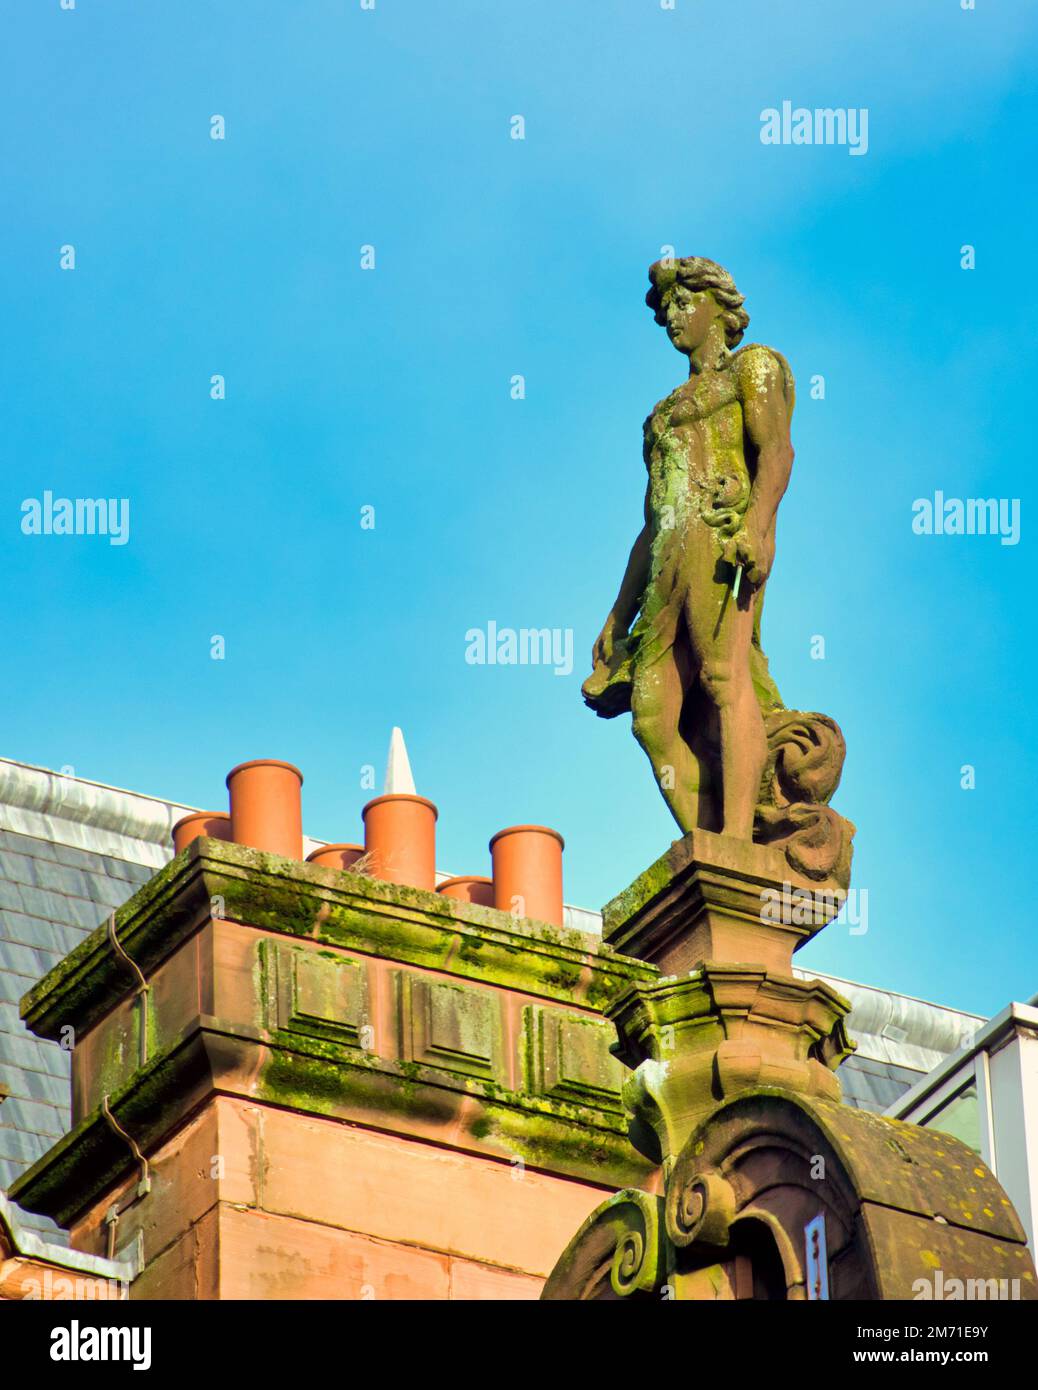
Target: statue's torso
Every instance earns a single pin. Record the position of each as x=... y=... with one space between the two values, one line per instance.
x=699 y=484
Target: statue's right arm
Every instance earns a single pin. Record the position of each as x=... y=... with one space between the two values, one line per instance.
x=629 y=599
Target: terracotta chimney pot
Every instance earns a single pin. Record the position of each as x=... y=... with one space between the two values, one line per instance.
x=528 y=866
x=336 y=856
x=469 y=888
x=400 y=837
x=266 y=807
x=215 y=824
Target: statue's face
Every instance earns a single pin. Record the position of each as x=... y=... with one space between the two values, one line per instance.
x=690 y=314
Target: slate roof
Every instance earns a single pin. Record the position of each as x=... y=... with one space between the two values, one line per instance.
x=71 y=850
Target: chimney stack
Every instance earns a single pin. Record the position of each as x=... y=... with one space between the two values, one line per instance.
x=399 y=838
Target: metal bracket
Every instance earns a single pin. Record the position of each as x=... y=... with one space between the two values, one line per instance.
x=816 y=1263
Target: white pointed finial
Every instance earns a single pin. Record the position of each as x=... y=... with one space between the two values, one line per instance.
x=398 y=768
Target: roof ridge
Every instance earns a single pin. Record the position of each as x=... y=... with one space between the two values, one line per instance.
x=41 y=791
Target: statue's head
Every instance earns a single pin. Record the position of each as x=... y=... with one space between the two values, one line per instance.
x=688 y=295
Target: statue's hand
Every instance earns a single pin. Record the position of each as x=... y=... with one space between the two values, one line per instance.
x=756 y=553
x=602 y=651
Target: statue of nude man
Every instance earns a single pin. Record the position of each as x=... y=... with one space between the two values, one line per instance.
x=719 y=456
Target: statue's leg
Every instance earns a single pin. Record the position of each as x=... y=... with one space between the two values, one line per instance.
x=768 y=696
x=657 y=697
x=721 y=632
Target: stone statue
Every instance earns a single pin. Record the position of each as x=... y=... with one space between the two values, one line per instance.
x=728 y=756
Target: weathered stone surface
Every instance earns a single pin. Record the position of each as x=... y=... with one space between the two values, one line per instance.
x=696 y=1039
x=333 y=909
x=321 y=993
x=276 y=1257
x=732 y=1091
x=479 y=1283
x=619 y=1252
x=502 y=1222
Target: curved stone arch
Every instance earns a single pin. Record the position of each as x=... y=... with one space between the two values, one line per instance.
x=900 y=1202
x=765 y=1156
x=617 y=1253
x=906 y=1210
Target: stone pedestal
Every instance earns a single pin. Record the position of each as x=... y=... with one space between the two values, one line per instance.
x=771 y=1187
x=711 y=897
x=721 y=919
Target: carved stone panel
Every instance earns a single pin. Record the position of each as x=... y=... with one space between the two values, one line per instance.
x=454 y=1027
x=320 y=995
x=570 y=1058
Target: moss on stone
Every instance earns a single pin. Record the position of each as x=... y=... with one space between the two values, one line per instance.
x=335 y=909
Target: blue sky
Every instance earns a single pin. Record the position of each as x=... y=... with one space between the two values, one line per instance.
x=390 y=388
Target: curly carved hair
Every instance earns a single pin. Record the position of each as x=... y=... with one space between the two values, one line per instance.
x=696 y=273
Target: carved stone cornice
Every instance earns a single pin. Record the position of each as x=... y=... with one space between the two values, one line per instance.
x=697 y=1039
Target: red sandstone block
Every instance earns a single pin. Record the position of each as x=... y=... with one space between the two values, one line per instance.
x=462 y=1204
x=187 y=1270
x=214 y=1157
x=486 y=1283
x=277 y=1257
